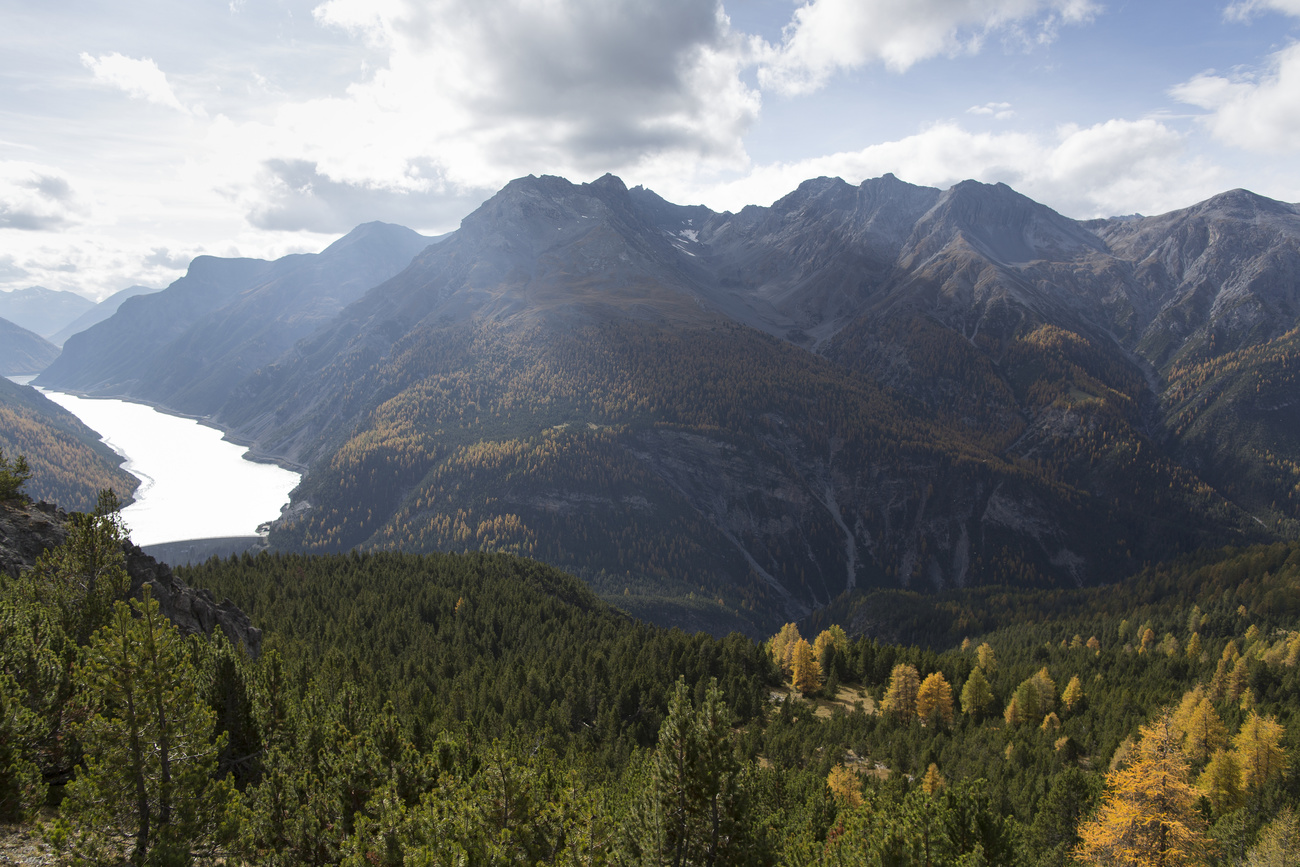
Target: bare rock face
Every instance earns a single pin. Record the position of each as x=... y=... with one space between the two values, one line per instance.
x=27 y=529
x=193 y=610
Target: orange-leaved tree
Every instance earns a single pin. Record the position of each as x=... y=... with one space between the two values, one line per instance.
x=900 y=696
x=934 y=700
x=1149 y=815
x=807 y=672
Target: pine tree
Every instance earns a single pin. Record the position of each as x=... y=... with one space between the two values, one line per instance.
x=1148 y=815
x=976 y=694
x=694 y=812
x=832 y=645
x=13 y=474
x=149 y=751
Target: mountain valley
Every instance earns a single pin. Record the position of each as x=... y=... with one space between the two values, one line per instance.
x=725 y=421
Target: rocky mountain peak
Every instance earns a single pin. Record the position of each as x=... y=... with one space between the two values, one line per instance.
x=1243 y=205
x=1002 y=225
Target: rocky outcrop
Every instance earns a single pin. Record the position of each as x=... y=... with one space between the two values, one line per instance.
x=27 y=529
x=193 y=610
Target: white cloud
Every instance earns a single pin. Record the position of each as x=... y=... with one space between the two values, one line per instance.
x=35 y=197
x=828 y=36
x=474 y=94
x=998 y=110
x=1247 y=9
x=139 y=79
x=1114 y=167
x=1259 y=112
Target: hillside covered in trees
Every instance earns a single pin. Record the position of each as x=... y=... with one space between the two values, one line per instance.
x=69 y=462
x=729 y=420
x=488 y=709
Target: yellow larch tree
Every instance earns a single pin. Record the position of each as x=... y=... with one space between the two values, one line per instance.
x=1148 y=817
x=934 y=700
x=807 y=672
x=834 y=636
x=782 y=646
x=845 y=786
x=1258 y=750
x=1220 y=782
x=900 y=697
x=1205 y=732
x=1013 y=715
x=984 y=657
x=1238 y=679
x=933 y=781
x=1073 y=693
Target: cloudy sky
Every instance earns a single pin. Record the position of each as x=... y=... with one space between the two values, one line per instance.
x=138 y=134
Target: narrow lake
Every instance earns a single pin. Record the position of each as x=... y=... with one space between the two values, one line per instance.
x=193 y=484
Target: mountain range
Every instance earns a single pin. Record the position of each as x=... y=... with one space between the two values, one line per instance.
x=23 y=352
x=725 y=420
x=43 y=311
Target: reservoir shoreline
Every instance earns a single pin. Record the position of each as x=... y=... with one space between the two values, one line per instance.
x=197 y=481
x=253 y=453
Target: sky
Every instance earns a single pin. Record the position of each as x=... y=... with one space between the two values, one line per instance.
x=139 y=134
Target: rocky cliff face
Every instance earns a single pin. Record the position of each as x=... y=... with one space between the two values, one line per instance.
x=27 y=529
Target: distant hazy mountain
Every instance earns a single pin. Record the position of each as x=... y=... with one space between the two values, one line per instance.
x=98 y=313
x=189 y=344
x=22 y=352
x=725 y=420
x=69 y=462
x=42 y=310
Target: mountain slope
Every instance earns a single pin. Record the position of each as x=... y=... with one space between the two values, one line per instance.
x=726 y=420
x=98 y=313
x=565 y=378
x=186 y=346
x=23 y=352
x=69 y=462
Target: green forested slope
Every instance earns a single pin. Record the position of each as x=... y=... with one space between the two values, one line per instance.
x=489 y=709
x=69 y=462
x=713 y=476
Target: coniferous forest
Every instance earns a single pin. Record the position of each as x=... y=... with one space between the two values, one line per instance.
x=489 y=709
